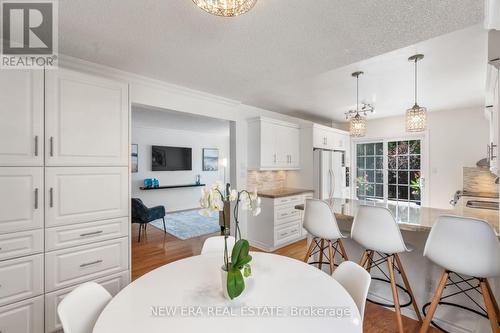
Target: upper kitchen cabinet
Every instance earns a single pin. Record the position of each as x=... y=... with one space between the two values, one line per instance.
x=86 y=120
x=21 y=114
x=493 y=97
x=330 y=138
x=273 y=145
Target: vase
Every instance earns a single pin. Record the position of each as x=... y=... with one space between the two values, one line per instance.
x=223 y=279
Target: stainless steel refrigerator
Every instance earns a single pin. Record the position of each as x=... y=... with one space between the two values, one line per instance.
x=331 y=174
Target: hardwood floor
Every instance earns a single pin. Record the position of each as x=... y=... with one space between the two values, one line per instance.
x=157 y=249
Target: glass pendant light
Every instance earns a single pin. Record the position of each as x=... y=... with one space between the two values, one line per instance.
x=357 y=126
x=227 y=8
x=416 y=117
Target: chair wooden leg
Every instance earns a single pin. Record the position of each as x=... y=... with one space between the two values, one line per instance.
x=321 y=245
x=364 y=257
x=331 y=253
x=164 y=227
x=495 y=303
x=490 y=308
x=395 y=296
x=408 y=287
x=435 y=301
x=140 y=227
x=309 y=250
x=370 y=261
x=342 y=250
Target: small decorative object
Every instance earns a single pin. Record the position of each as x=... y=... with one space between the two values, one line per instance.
x=227 y=8
x=213 y=200
x=156 y=182
x=148 y=182
x=357 y=126
x=134 y=158
x=198 y=180
x=210 y=159
x=416 y=117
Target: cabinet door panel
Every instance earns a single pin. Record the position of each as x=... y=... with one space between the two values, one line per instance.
x=86 y=120
x=21 y=244
x=22 y=317
x=21 y=114
x=21 y=198
x=268 y=156
x=84 y=194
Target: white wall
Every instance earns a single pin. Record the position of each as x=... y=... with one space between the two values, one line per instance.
x=146 y=134
x=455 y=138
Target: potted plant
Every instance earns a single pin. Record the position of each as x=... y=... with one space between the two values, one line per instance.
x=213 y=200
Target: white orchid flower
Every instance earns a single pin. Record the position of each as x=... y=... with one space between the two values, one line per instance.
x=233 y=195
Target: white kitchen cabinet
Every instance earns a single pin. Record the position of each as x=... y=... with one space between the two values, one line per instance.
x=493 y=99
x=21 y=198
x=85 y=194
x=22 y=317
x=21 y=278
x=273 y=144
x=330 y=138
x=21 y=114
x=279 y=224
x=20 y=244
x=86 y=120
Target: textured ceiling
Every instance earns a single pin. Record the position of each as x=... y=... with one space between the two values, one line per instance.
x=277 y=43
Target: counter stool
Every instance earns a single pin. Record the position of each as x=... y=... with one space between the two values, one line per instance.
x=320 y=222
x=464 y=247
x=376 y=230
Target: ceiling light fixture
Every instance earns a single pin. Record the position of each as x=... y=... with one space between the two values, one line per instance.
x=226 y=8
x=357 y=126
x=416 y=117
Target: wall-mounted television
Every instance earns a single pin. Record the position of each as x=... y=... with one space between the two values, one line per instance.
x=171 y=158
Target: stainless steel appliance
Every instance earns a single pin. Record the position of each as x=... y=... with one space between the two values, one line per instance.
x=331 y=175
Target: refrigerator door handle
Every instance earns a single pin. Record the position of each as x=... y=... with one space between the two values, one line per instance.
x=330 y=172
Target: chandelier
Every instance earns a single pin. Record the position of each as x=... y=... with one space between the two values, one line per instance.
x=227 y=8
x=416 y=117
x=357 y=123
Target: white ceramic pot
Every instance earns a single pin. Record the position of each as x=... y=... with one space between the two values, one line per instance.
x=223 y=280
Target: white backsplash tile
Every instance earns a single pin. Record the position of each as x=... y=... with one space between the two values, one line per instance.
x=266 y=180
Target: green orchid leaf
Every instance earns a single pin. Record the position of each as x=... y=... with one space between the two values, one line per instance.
x=240 y=249
x=235 y=283
x=242 y=261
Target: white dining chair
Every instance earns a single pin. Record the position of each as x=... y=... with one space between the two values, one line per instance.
x=321 y=224
x=356 y=280
x=375 y=229
x=79 y=310
x=468 y=247
x=216 y=245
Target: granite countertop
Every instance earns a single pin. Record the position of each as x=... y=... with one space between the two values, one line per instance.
x=282 y=192
x=491 y=195
x=411 y=217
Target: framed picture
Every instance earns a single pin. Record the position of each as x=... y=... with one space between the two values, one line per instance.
x=210 y=159
x=135 y=158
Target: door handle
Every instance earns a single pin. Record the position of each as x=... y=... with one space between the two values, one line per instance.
x=36 y=198
x=51 y=197
x=36 y=148
x=51 y=141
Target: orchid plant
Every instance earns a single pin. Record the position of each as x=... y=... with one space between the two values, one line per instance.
x=213 y=200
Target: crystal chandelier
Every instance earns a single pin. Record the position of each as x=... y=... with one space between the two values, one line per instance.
x=357 y=125
x=416 y=117
x=227 y=8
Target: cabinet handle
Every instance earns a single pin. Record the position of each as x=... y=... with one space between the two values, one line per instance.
x=91 y=233
x=51 y=197
x=36 y=148
x=91 y=263
x=274 y=157
x=36 y=198
x=51 y=140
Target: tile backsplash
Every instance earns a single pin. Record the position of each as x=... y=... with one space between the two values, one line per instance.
x=266 y=180
x=479 y=180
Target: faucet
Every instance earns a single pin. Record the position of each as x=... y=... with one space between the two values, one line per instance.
x=456 y=197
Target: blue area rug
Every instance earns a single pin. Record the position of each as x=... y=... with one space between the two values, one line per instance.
x=188 y=224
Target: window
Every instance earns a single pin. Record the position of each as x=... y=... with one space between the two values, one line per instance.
x=389 y=170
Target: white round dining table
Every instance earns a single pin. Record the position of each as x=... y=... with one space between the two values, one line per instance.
x=281 y=295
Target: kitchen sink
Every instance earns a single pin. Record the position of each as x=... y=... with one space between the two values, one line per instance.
x=482 y=204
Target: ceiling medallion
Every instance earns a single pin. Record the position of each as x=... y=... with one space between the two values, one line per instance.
x=226 y=8
x=416 y=117
x=357 y=124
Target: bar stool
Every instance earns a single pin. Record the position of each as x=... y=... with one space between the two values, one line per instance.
x=464 y=246
x=320 y=222
x=377 y=231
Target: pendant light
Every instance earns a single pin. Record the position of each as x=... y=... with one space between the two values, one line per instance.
x=226 y=8
x=357 y=124
x=416 y=117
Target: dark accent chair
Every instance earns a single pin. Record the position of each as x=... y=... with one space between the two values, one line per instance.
x=143 y=215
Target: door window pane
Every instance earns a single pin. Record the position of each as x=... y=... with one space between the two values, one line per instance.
x=404 y=163
x=369 y=171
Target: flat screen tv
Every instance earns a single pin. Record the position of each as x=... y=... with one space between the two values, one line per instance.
x=171 y=158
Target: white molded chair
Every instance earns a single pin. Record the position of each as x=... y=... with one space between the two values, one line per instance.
x=79 y=310
x=216 y=245
x=464 y=246
x=320 y=222
x=375 y=229
x=356 y=280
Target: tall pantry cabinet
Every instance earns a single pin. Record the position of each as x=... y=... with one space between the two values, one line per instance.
x=64 y=189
